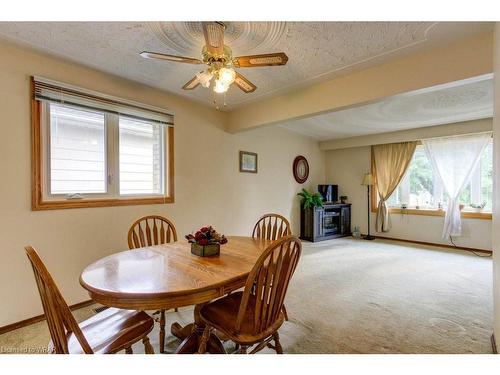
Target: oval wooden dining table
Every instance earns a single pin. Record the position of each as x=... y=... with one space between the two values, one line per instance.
x=168 y=276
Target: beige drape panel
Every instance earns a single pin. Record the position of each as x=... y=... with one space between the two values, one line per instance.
x=390 y=163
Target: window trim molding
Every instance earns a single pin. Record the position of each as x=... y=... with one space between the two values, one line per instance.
x=420 y=211
x=38 y=202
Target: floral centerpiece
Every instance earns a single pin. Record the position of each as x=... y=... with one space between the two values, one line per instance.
x=206 y=241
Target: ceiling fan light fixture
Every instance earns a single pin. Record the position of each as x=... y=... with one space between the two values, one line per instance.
x=227 y=75
x=220 y=87
x=204 y=78
x=221 y=64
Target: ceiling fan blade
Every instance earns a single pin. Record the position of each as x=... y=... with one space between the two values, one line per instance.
x=191 y=84
x=269 y=59
x=244 y=84
x=163 y=56
x=214 y=37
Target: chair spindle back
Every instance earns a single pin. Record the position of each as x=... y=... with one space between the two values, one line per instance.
x=271 y=227
x=268 y=282
x=151 y=230
x=57 y=313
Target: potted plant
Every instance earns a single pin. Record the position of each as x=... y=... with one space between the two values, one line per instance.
x=478 y=207
x=310 y=200
x=404 y=208
x=206 y=242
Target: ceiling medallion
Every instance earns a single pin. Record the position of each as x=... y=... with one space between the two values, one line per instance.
x=187 y=37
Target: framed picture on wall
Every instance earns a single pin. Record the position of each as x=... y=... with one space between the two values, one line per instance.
x=248 y=162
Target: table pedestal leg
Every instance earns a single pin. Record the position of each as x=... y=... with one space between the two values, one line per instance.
x=182 y=332
x=191 y=340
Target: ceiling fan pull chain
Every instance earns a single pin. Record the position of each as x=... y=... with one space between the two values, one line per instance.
x=215 y=101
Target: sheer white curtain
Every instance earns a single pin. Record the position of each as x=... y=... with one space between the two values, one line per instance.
x=454 y=160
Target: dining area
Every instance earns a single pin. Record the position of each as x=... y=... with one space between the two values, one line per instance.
x=236 y=286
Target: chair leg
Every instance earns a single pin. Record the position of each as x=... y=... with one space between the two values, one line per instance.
x=204 y=339
x=148 y=348
x=261 y=346
x=243 y=349
x=283 y=309
x=277 y=344
x=162 y=331
x=129 y=350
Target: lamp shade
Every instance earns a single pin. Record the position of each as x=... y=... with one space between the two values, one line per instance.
x=367 y=179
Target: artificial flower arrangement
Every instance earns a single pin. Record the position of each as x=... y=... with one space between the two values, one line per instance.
x=206 y=241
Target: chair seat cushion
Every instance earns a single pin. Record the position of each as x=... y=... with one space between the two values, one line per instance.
x=112 y=330
x=222 y=313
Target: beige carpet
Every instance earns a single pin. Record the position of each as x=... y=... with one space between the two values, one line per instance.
x=355 y=296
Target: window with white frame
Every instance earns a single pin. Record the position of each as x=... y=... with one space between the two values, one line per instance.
x=103 y=152
x=141 y=155
x=420 y=187
x=76 y=157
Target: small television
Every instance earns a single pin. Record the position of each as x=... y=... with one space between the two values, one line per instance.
x=329 y=193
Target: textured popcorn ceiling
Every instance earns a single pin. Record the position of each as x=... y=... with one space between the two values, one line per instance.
x=316 y=50
x=470 y=99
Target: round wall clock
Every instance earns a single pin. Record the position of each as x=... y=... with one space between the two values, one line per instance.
x=300 y=169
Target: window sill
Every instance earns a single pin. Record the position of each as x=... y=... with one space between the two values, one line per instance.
x=434 y=212
x=38 y=205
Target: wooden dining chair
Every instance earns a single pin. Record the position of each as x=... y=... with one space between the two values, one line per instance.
x=110 y=331
x=254 y=315
x=148 y=231
x=272 y=227
x=151 y=230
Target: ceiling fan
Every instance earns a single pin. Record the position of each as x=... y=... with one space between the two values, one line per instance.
x=220 y=62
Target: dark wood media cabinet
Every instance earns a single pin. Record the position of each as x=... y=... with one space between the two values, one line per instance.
x=325 y=223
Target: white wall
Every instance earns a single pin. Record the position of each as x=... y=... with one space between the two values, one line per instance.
x=208 y=186
x=496 y=189
x=346 y=167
